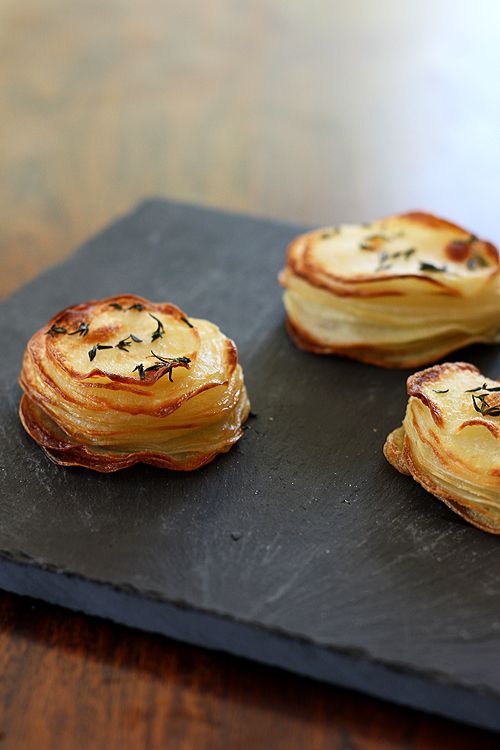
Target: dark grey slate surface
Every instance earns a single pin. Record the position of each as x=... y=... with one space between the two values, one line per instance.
x=343 y=569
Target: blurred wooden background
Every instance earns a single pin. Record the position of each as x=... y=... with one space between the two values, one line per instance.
x=314 y=112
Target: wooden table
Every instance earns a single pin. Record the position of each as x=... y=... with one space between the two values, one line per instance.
x=314 y=112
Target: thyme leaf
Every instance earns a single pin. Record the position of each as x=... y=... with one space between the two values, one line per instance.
x=54 y=330
x=140 y=369
x=160 y=330
x=385 y=257
x=125 y=343
x=426 y=266
x=82 y=329
x=478 y=406
x=135 y=306
x=326 y=235
x=92 y=352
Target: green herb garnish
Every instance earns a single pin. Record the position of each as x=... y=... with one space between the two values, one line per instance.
x=166 y=364
x=82 y=330
x=140 y=369
x=493 y=389
x=484 y=407
x=426 y=266
x=92 y=352
x=125 y=343
x=476 y=261
x=160 y=330
x=55 y=330
x=135 y=306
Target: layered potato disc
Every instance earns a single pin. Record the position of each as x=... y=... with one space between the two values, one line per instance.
x=400 y=292
x=112 y=382
x=450 y=440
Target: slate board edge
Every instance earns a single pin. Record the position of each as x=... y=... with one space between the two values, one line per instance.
x=149 y=612
x=135 y=210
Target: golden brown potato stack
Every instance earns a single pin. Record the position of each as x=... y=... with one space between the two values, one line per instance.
x=399 y=292
x=116 y=381
x=450 y=440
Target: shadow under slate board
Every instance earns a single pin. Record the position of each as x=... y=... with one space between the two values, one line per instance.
x=300 y=548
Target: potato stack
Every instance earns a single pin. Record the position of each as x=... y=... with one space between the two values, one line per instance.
x=400 y=292
x=450 y=440
x=113 y=382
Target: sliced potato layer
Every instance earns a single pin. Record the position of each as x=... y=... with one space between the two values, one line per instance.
x=400 y=292
x=113 y=382
x=450 y=440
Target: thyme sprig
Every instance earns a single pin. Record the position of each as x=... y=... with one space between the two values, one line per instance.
x=484 y=387
x=166 y=364
x=135 y=306
x=125 y=343
x=186 y=321
x=445 y=390
x=484 y=407
x=160 y=330
x=55 y=330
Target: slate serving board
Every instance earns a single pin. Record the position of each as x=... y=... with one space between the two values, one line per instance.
x=300 y=548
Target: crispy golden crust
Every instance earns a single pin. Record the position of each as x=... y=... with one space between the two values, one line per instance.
x=447 y=447
x=483 y=521
x=403 y=292
x=61 y=450
x=110 y=407
x=393 y=451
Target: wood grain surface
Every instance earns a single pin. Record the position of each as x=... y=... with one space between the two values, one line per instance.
x=315 y=112
x=69 y=681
